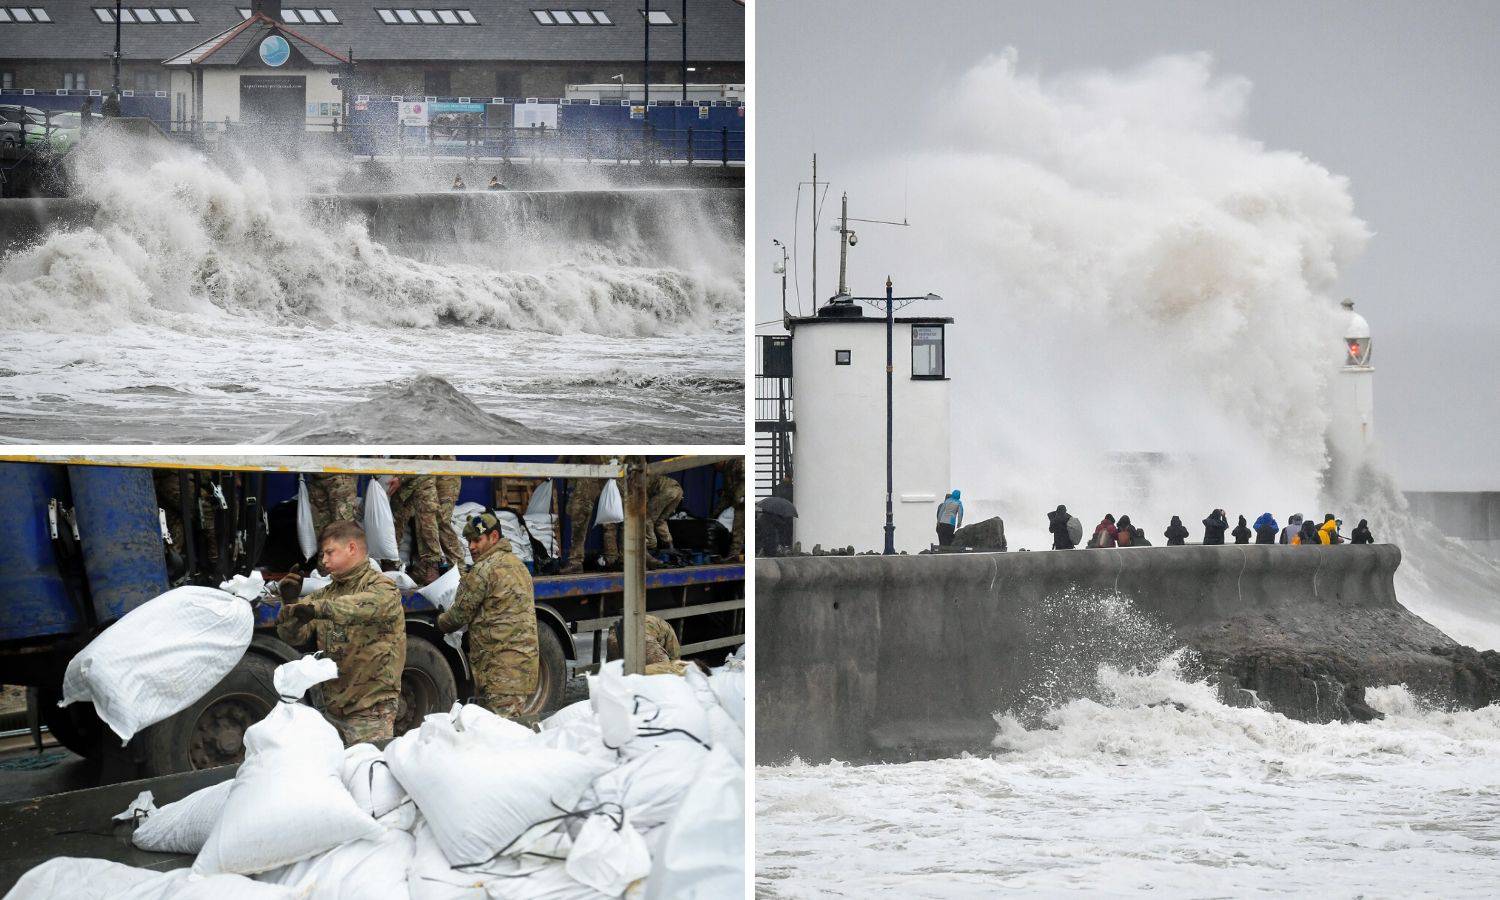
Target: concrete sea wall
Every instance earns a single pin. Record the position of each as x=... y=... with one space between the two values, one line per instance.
x=862 y=656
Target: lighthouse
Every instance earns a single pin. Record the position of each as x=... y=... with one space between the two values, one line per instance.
x=1352 y=426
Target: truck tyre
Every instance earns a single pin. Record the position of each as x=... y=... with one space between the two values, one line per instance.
x=427 y=684
x=76 y=727
x=211 y=732
x=552 y=674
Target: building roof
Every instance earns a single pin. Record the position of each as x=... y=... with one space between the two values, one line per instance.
x=506 y=31
x=878 y=319
x=235 y=44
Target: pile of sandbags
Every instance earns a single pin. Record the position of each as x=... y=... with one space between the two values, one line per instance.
x=637 y=791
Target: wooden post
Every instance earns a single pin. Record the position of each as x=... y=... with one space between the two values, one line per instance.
x=633 y=631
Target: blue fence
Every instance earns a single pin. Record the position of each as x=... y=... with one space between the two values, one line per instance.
x=157 y=106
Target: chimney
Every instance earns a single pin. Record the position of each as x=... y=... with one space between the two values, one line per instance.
x=271 y=8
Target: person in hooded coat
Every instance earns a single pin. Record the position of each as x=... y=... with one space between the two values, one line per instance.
x=950 y=517
x=1057 y=523
x=1328 y=532
x=1241 y=532
x=1293 y=527
x=1361 y=533
x=1308 y=536
x=1176 y=533
x=1214 y=527
x=1104 y=532
x=1124 y=532
x=1266 y=529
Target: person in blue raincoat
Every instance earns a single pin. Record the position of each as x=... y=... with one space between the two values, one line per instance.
x=950 y=517
x=1266 y=529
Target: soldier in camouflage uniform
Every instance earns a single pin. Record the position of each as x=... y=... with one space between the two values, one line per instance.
x=663 y=494
x=358 y=622
x=585 y=493
x=448 y=487
x=416 y=500
x=495 y=602
x=663 y=652
x=733 y=494
x=333 y=499
x=169 y=498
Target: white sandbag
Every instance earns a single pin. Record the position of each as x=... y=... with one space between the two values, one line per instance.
x=370 y=781
x=482 y=794
x=513 y=530
x=444 y=590
x=579 y=736
x=724 y=732
x=639 y=712
x=729 y=686
x=650 y=787
x=541 y=880
x=432 y=877
x=698 y=681
x=315 y=582
x=78 y=878
x=288 y=801
x=380 y=523
x=572 y=712
x=245 y=587
x=160 y=657
x=358 y=870
x=307 y=534
x=184 y=884
x=611 y=507
x=184 y=826
x=401 y=580
x=608 y=854
x=539 y=517
x=702 y=852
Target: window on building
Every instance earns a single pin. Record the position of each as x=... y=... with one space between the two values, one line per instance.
x=126 y=15
x=561 y=17
x=308 y=16
x=426 y=17
x=21 y=14
x=144 y=16
x=582 y=17
x=467 y=17
x=658 y=17
x=406 y=16
x=542 y=16
x=147 y=82
x=75 y=81
x=105 y=15
x=154 y=15
x=164 y=15
x=7 y=81
x=327 y=15
x=601 y=18
x=387 y=16
x=448 y=16
x=290 y=17
x=842 y=357
x=184 y=14
x=507 y=84
x=244 y=12
x=437 y=83
x=927 y=351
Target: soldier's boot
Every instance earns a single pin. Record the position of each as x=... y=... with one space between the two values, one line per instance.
x=423 y=572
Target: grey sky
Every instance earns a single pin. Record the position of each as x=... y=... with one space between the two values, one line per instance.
x=1402 y=98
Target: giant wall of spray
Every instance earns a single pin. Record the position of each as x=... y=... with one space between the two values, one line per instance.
x=238 y=288
x=1147 y=313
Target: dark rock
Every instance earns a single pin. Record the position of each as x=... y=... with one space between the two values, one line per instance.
x=986 y=535
x=1310 y=685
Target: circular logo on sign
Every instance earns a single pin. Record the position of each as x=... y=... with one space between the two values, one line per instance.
x=274 y=50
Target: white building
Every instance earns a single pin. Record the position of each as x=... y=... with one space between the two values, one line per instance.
x=838 y=382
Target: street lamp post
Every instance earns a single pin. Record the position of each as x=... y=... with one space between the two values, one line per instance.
x=114 y=105
x=890 y=304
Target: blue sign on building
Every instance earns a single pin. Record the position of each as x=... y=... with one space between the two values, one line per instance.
x=274 y=50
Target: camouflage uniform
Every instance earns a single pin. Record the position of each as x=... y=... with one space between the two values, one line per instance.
x=417 y=498
x=333 y=499
x=585 y=493
x=663 y=494
x=448 y=487
x=496 y=603
x=169 y=498
x=734 y=495
x=661 y=644
x=359 y=623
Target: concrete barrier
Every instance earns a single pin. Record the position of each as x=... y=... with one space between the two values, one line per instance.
x=448 y=219
x=859 y=655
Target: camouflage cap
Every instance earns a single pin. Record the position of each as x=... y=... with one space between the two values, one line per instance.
x=481 y=525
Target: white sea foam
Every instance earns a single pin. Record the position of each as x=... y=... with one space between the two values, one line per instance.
x=193 y=275
x=1157 y=789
